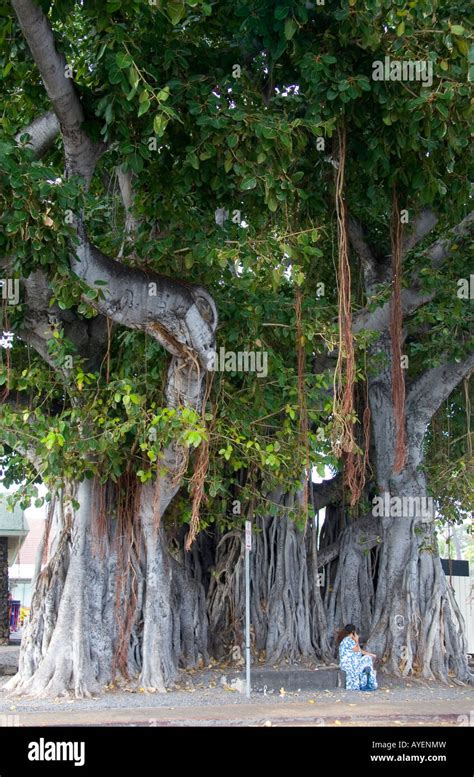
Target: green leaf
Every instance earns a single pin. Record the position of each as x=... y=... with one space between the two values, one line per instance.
x=133 y=77
x=159 y=124
x=290 y=28
x=123 y=60
x=462 y=46
x=248 y=183
x=176 y=11
x=272 y=203
x=143 y=107
x=163 y=94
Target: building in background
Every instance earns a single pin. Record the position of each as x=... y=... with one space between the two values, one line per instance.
x=457 y=572
x=22 y=570
x=13 y=530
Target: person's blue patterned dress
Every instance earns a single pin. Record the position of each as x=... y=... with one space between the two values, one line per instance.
x=356 y=666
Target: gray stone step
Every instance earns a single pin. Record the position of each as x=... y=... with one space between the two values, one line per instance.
x=9 y=655
x=272 y=680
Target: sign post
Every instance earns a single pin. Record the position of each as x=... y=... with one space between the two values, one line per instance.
x=248 y=548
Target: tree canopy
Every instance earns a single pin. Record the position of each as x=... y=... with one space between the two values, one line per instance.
x=218 y=126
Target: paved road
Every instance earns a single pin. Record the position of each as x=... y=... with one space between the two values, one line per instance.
x=413 y=706
x=200 y=699
x=258 y=714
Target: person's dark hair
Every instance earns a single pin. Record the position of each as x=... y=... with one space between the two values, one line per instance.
x=349 y=628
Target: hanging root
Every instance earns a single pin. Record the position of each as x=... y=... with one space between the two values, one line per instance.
x=356 y=463
x=396 y=336
x=344 y=442
x=199 y=476
x=126 y=591
x=303 y=412
x=197 y=491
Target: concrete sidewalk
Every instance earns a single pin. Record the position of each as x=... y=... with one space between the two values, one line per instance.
x=367 y=713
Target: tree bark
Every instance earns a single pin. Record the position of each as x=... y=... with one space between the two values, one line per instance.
x=101 y=599
x=416 y=625
x=65 y=646
x=412 y=622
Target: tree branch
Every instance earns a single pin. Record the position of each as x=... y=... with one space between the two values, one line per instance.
x=422 y=226
x=81 y=154
x=413 y=298
x=440 y=250
x=87 y=335
x=364 y=252
x=42 y=133
x=180 y=316
x=367 y=534
x=379 y=319
x=327 y=492
x=432 y=389
x=125 y=181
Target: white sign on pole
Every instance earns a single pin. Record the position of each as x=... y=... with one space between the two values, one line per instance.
x=248 y=535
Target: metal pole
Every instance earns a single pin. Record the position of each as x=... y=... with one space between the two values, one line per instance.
x=248 y=547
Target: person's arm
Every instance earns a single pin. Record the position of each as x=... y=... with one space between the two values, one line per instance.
x=356 y=647
x=366 y=652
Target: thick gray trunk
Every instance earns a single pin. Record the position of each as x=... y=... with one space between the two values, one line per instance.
x=416 y=624
x=81 y=623
x=159 y=662
x=64 y=647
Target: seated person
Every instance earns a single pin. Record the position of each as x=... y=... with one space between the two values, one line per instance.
x=356 y=663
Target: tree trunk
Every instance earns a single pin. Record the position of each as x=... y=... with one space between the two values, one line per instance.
x=416 y=626
x=287 y=614
x=106 y=605
x=350 y=591
x=65 y=645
